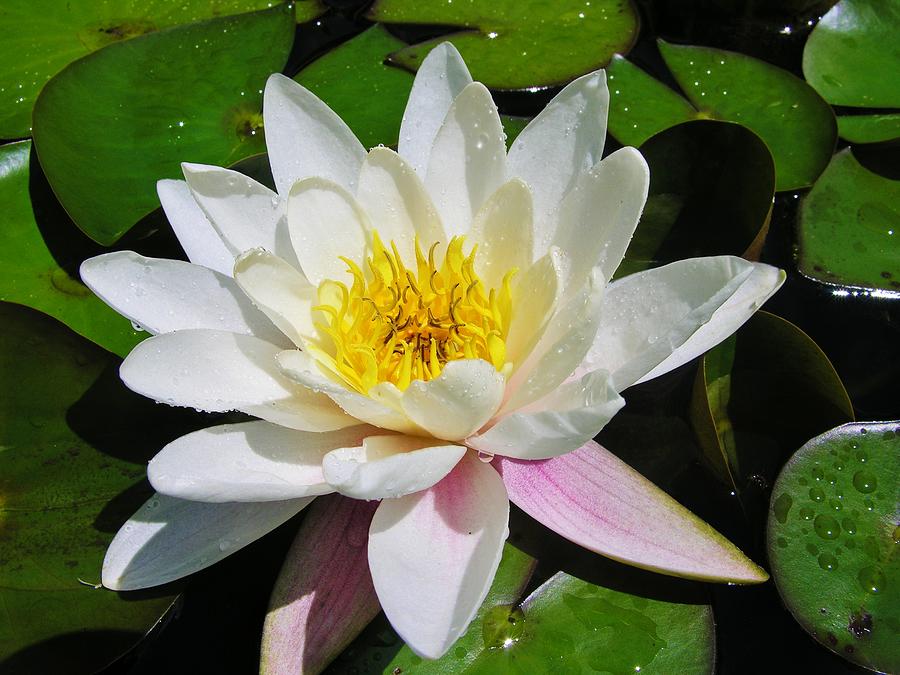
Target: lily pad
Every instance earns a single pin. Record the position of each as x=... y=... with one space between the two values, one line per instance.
x=760 y=394
x=34 y=48
x=849 y=227
x=869 y=128
x=31 y=275
x=517 y=44
x=711 y=189
x=368 y=94
x=797 y=125
x=112 y=124
x=851 y=56
x=833 y=533
x=70 y=473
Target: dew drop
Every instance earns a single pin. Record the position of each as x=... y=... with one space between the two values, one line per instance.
x=827 y=527
x=865 y=481
x=871 y=579
x=816 y=494
x=807 y=513
x=828 y=562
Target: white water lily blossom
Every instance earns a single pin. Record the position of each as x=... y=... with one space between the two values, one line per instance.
x=434 y=328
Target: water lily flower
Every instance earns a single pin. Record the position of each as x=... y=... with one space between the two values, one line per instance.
x=434 y=328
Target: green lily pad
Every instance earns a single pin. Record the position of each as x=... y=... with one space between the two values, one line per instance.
x=516 y=44
x=31 y=275
x=851 y=56
x=112 y=124
x=41 y=37
x=869 y=128
x=833 y=533
x=797 y=125
x=369 y=95
x=71 y=471
x=849 y=227
x=711 y=189
x=760 y=394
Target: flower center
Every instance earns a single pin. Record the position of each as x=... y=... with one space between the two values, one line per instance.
x=397 y=325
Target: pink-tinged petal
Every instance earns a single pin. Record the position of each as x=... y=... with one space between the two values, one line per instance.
x=433 y=555
x=324 y=596
x=593 y=498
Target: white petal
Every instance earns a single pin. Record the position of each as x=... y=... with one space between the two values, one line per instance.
x=440 y=78
x=433 y=555
x=218 y=371
x=306 y=138
x=759 y=287
x=599 y=214
x=563 y=345
x=563 y=141
x=167 y=295
x=458 y=402
x=246 y=213
x=280 y=291
x=247 y=462
x=398 y=206
x=556 y=424
x=325 y=223
x=300 y=367
x=646 y=316
x=389 y=466
x=197 y=236
x=503 y=230
x=534 y=298
x=468 y=158
x=169 y=538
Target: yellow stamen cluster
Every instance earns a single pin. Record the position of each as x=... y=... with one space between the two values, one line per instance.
x=395 y=324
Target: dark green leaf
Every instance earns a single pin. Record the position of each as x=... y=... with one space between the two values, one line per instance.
x=112 y=124
x=869 y=128
x=833 y=541
x=515 y=44
x=711 y=188
x=31 y=275
x=849 y=231
x=851 y=58
x=793 y=120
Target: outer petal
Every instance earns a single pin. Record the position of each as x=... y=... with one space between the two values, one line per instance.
x=468 y=158
x=398 y=206
x=246 y=213
x=323 y=597
x=306 y=138
x=247 y=462
x=599 y=214
x=439 y=80
x=458 y=402
x=646 y=316
x=280 y=291
x=170 y=538
x=389 y=466
x=594 y=499
x=197 y=236
x=562 y=142
x=503 y=230
x=433 y=555
x=325 y=223
x=759 y=287
x=167 y=295
x=556 y=424
x=218 y=371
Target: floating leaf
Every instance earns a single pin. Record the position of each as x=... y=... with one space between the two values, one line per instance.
x=849 y=227
x=31 y=275
x=112 y=124
x=851 y=56
x=869 y=128
x=70 y=473
x=760 y=394
x=833 y=538
x=516 y=44
x=711 y=189
x=793 y=120
x=34 y=48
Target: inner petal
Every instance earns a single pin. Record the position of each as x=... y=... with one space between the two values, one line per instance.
x=395 y=324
